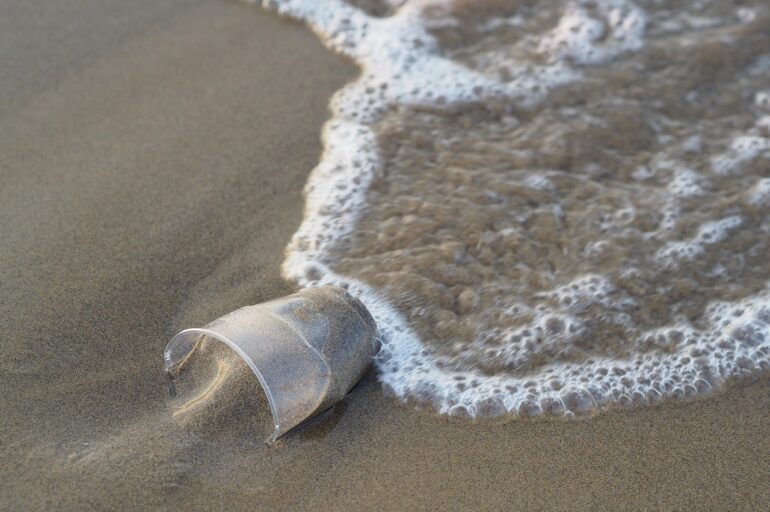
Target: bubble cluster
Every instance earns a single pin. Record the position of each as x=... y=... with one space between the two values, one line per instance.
x=548 y=207
x=711 y=232
x=742 y=150
x=586 y=37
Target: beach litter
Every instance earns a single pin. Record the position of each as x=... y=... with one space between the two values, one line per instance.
x=308 y=350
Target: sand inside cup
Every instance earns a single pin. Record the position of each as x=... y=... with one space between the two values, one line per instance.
x=215 y=388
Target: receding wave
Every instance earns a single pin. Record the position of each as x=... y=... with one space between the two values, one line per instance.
x=548 y=206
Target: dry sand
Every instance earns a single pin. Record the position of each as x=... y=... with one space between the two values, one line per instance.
x=152 y=159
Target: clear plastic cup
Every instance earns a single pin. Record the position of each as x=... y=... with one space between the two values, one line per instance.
x=307 y=350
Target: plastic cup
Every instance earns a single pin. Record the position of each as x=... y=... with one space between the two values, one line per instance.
x=307 y=350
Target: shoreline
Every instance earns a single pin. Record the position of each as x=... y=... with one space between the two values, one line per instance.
x=154 y=185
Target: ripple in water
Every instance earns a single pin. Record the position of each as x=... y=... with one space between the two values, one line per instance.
x=548 y=206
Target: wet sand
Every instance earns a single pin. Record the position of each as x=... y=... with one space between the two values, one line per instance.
x=152 y=159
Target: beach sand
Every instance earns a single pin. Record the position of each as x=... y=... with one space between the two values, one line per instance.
x=152 y=159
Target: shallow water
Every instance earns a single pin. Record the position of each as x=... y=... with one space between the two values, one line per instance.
x=548 y=206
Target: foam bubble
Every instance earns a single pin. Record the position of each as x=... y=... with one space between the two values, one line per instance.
x=759 y=194
x=583 y=38
x=743 y=149
x=685 y=183
x=709 y=233
x=762 y=99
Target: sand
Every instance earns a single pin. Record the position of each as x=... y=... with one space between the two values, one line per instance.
x=152 y=159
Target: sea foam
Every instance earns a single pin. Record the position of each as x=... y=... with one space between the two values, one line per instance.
x=507 y=274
